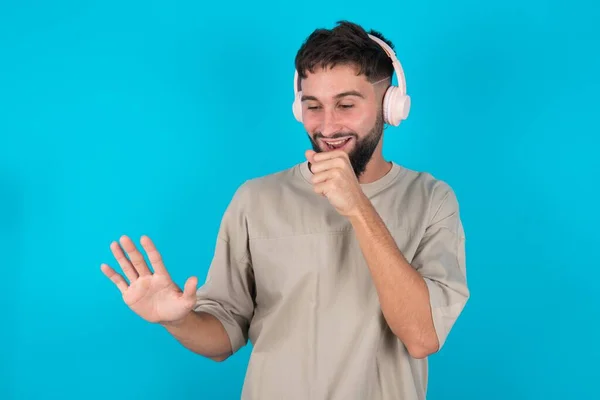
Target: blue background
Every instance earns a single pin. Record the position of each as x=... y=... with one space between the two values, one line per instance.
x=144 y=117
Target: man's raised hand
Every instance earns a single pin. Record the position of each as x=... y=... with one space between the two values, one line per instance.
x=151 y=294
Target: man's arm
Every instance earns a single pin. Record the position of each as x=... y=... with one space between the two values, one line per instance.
x=203 y=334
x=402 y=291
x=154 y=296
x=212 y=320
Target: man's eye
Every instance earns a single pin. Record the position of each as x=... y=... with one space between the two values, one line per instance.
x=313 y=107
x=347 y=105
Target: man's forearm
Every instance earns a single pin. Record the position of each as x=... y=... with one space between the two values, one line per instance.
x=203 y=334
x=402 y=291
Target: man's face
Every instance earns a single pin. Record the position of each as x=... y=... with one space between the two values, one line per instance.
x=341 y=110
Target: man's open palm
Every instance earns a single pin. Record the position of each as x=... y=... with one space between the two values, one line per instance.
x=152 y=295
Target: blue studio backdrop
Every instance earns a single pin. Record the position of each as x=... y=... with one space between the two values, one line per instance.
x=144 y=117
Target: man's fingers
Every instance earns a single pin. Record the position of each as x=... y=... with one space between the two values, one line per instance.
x=153 y=255
x=322 y=188
x=328 y=164
x=320 y=177
x=124 y=263
x=116 y=278
x=137 y=259
x=328 y=155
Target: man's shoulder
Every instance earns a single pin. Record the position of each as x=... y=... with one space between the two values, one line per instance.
x=424 y=182
x=424 y=190
x=268 y=186
x=274 y=179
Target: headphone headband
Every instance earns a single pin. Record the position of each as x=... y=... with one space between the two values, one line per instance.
x=397 y=66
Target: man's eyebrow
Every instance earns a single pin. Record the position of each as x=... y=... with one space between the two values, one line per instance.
x=337 y=96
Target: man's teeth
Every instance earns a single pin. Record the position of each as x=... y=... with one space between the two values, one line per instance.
x=337 y=142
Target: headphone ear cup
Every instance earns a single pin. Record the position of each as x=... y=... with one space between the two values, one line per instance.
x=297 y=107
x=396 y=106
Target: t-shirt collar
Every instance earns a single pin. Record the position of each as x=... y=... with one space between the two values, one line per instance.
x=370 y=189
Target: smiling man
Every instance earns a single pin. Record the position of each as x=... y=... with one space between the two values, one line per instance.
x=345 y=271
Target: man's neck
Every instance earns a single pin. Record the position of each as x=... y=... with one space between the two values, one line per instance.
x=376 y=169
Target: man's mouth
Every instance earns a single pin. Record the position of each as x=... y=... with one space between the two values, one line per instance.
x=336 y=144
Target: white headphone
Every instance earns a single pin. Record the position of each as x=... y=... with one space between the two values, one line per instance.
x=396 y=103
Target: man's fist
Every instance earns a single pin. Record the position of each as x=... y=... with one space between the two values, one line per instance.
x=334 y=178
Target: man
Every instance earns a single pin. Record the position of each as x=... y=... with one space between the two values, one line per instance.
x=345 y=271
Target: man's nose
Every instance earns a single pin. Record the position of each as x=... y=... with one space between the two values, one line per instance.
x=330 y=123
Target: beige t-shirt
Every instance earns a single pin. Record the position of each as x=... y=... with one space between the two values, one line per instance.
x=288 y=275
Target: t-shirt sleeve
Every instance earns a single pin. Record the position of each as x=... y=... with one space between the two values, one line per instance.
x=440 y=258
x=228 y=291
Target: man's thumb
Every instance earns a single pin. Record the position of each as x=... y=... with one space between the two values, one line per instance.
x=189 y=289
x=309 y=154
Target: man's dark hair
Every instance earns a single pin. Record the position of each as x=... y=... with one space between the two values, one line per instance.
x=346 y=44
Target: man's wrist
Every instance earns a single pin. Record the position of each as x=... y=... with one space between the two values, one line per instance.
x=176 y=323
x=362 y=212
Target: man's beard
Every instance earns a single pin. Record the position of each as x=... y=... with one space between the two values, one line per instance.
x=363 y=149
